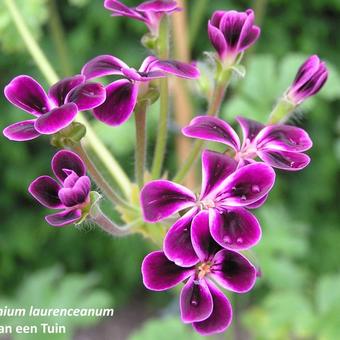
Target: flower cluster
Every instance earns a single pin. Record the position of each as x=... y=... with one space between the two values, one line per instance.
x=122 y=95
x=55 y=110
x=71 y=192
x=202 y=249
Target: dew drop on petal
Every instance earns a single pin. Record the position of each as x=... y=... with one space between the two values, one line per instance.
x=193 y=302
x=292 y=164
x=239 y=240
x=227 y=239
x=255 y=188
x=243 y=197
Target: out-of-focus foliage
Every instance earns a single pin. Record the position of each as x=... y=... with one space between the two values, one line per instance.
x=167 y=328
x=298 y=294
x=51 y=288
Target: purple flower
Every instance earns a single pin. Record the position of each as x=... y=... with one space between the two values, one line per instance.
x=121 y=95
x=310 y=78
x=201 y=303
x=70 y=192
x=225 y=194
x=278 y=145
x=149 y=12
x=53 y=111
x=232 y=32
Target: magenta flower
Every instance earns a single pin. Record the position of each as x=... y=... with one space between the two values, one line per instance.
x=121 y=95
x=225 y=194
x=149 y=12
x=278 y=145
x=201 y=303
x=310 y=78
x=70 y=192
x=232 y=32
x=53 y=111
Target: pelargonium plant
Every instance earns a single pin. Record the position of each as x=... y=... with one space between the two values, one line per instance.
x=201 y=239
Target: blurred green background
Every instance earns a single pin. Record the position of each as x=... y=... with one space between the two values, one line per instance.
x=298 y=295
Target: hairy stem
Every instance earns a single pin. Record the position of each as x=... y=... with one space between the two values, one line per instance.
x=140 y=121
x=58 y=36
x=162 y=134
x=99 y=179
x=91 y=139
x=98 y=217
x=213 y=110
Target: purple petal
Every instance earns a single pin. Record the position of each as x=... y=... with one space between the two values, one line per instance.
x=231 y=25
x=177 y=243
x=235 y=228
x=221 y=316
x=63 y=218
x=216 y=167
x=213 y=129
x=291 y=161
x=217 y=39
x=65 y=160
x=45 y=190
x=59 y=91
x=176 y=68
x=233 y=271
x=161 y=198
x=310 y=78
x=246 y=185
x=71 y=178
x=78 y=194
x=306 y=70
x=258 y=203
x=196 y=302
x=27 y=94
x=217 y=17
x=158 y=6
x=250 y=38
x=121 y=98
x=119 y=9
x=283 y=137
x=57 y=119
x=204 y=245
x=160 y=274
x=147 y=64
x=103 y=65
x=87 y=96
x=250 y=128
x=21 y=131
x=249 y=33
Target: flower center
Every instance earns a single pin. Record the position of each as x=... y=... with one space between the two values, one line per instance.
x=207 y=204
x=203 y=269
x=248 y=151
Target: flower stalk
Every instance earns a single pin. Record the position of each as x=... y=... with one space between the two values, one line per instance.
x=140 y=122
x=99 y=179
x=98 y=217
x=281 y=111
x=213 y=110
x=163 y=53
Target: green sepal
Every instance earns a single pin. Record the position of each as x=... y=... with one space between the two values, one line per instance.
x=150 y=96
x=70 y=136
x=149 y=41
x=90 y=209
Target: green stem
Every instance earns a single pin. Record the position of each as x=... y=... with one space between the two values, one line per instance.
x=163 y=53
x=98 y=217
x=281 y=111
x=140 y=121
x=213 y=110
x=46 y=69
x=99 y=179
x=58 y=36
